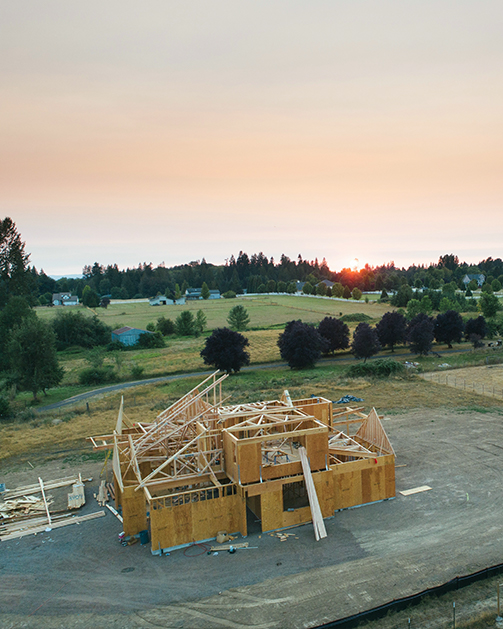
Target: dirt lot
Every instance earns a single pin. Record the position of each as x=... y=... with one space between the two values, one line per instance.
x=79 y=576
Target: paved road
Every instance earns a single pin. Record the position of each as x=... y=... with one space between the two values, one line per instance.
x=201 y=374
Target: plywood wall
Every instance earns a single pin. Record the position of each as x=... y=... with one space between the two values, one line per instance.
x=193 y=521
x=134 y=511
x=360 y=482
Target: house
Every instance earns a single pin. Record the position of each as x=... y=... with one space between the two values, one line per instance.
x=128 y=336
x=478 y=277
x=202 y=465
x=160 y=300
x=327 y=283
x=64 y=299
x=192 y=294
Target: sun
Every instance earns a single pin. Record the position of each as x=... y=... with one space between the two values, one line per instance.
x=355 y=265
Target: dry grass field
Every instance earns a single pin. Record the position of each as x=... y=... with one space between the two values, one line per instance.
x=55 y=433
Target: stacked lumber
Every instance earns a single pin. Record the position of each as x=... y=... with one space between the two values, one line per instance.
x=39 y=525
x=26 y=510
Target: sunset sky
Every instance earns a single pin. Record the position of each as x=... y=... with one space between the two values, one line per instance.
x=168 y=131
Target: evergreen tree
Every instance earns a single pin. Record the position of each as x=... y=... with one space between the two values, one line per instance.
x=205 y=291
x=13 y=262
x=238 y=318
x=199 y=323
x=185 y=323
x=225 y=350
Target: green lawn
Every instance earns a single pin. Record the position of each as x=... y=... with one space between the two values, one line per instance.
x=265 y=311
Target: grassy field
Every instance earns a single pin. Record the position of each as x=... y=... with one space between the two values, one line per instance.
x=265 y=311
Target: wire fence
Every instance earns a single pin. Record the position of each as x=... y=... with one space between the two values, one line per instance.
x=457 y=382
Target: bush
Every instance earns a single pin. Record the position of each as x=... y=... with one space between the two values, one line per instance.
x=165 y=326
x=379 y=368
x=137 y=371
x=356 y=316
x=5 y=410
x=230 y=294
x=149 y=341
x=97 y=375
x=115 y=346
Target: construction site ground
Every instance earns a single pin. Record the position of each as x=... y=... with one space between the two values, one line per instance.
x=80 y=576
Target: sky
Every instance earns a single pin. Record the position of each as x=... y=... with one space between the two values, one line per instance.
x=169 y=131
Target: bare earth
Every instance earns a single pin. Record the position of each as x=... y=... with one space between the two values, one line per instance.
x=79 y=576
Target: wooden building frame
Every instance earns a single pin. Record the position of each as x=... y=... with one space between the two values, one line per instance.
x=198 y=467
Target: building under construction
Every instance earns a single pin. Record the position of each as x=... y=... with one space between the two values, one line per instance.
x=202 y=464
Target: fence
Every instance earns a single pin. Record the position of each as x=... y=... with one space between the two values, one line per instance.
x=452 y=380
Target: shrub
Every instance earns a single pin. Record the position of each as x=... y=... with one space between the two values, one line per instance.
x=165 y=326
x=5 y=410
x=149 y=341
x=379 y=368
x=356 y=316
x=115 y=346
x=230 y=294
x=96 y=375
x=137 y=371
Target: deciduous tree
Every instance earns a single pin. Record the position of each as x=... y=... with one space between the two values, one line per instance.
x=391 y=329
x=420 y=334
x=32 y=356
x=449 y=328
x=300 y=345
x=335 y=332
x=225 y=350
x=365 y=341
x=489 y=304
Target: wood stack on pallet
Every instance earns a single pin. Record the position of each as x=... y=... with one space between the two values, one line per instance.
x=26 y=510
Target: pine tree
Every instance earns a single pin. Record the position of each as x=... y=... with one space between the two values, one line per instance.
x=238 y=318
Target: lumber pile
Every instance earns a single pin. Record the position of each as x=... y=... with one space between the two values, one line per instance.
x=26 y=510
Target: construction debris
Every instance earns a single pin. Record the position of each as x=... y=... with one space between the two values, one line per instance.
x=77 y=498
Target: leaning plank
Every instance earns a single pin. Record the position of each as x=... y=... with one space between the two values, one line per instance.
x=45 y=500
x=316 y=515
x=54 y=525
